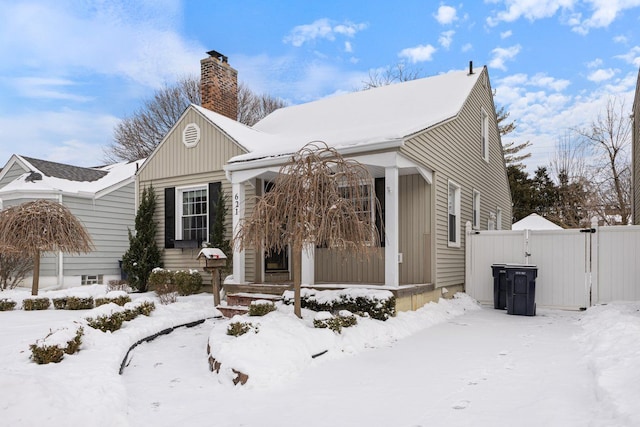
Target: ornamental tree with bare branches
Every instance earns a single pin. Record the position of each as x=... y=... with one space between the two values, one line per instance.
x=315 y=200
x=42 y=226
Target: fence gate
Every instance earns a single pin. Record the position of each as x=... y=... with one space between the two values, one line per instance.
x=577 y=268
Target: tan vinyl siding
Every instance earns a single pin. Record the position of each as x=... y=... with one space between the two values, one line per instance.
x=107 y=220
x=415 y=229
x=453 y=151
x=175 y=165
x=334 y=267
x=173 y=159
x=12 y=173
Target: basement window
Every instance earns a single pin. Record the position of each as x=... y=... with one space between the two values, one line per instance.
x=92 y=279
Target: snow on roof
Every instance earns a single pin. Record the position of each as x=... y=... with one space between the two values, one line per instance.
x=377 y=115
x=534 y=222
x=45 y=176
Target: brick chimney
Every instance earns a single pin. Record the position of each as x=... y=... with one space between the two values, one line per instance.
x=219 y=85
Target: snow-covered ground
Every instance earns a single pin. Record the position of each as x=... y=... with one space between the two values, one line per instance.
x=449 y=364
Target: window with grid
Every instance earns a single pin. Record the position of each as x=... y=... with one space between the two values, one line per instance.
x=194 y=215
x=91 y=279
x=363 y=202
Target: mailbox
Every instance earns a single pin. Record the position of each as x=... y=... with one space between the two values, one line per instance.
x=212 y=258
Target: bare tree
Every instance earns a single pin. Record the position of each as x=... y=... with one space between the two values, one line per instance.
x=394 y=74
x=253 y=107
x=608 y=140
x=315 y=200
x=42 y=226
x=14 y=267
x=136 y=136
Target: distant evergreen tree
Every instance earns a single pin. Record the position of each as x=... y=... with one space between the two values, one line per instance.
x=143 y=254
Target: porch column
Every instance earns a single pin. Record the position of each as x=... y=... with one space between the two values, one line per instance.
x=238 y=203
x=308 y=264
x=392 y=228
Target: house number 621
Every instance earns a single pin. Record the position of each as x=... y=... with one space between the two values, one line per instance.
x=235 y=201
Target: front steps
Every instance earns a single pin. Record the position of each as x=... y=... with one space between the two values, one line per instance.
x=239 y=297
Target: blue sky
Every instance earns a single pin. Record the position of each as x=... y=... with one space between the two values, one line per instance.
x=71 y=69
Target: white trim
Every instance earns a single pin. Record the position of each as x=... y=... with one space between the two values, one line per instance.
x=237 y=211
x=455 y=207
x=475 y=210
x=392 y=228
x=196 y=138
x=498 y=219
x=178 y=221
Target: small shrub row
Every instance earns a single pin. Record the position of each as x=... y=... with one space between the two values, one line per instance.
x=36 y=303
x=261 y=307
x=79 y=303
x=53 y=347
x=7 y=304
x=379 y=305
x=114 y=316
x=240 y=328
x=344 y=319
x=116 y=297
x=168 y=284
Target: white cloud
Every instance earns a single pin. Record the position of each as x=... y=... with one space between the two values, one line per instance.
x=466 y=47
x=600 y=13
x=632 y=57
x=45 y=37
x=601 y=75
x=419 y=53
x=446 y=15
x=322 y=29
x=621 y=39
x=46 y=88
x=446 y=38
x=501 y=55
x=506 y=34
x=347 y=47
x=542 y=80
x=595 y=63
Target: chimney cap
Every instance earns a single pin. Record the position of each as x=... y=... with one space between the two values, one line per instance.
x=218 y=55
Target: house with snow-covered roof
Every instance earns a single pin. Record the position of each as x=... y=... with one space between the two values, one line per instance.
x=431 y=145
x=102 y=198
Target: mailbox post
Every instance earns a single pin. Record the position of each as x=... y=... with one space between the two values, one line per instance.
x=211 y=260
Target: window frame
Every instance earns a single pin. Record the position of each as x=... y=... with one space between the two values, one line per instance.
x=484 y=134
x=371 y=208
x=475 y=210
x=498 y=219
x=180 y=191
x=455 y=206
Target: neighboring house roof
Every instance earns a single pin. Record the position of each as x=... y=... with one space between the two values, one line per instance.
x=43 y=176
x=534 y=222
x=387 y=113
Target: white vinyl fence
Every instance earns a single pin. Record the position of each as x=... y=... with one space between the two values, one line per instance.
x=577 y=268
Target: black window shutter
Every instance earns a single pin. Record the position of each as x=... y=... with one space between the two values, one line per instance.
x=380 y=216
x=169 y=217
x=214 y=193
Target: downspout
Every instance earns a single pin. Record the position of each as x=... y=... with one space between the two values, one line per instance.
x=60 y=257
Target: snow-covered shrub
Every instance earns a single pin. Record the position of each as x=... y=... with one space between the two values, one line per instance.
x=240 y=328
x=162 y=281
x=376 y=304
x=144 y=307
x=60 y=303
x=36 y=303
x=7 y=304
x=116 y=297
x=187 y=282
x=79 y=303
x=107 y=317
x=344 y=319
x=261 y=307
x=51 y=349
x=118 y=285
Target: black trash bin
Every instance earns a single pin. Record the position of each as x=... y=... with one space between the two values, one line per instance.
x=499 y=286
x=521 y=289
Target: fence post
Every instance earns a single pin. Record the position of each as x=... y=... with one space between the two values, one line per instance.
x=468 y=256
x=594 y=294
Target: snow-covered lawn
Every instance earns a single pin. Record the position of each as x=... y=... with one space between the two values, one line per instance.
x=449 y=364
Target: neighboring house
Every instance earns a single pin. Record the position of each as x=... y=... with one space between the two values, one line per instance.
x=102 y=198
x=534 y=222
x=432 y=146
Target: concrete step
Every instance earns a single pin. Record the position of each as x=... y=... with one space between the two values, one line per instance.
x=269 y=289
x=245 y=298
x=229 y=311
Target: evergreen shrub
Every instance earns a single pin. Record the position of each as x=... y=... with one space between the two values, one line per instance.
x=60 y=303
x=36 y=303
x=79 y=303
x=7 y=304
x=187 y=282
x=261 y=307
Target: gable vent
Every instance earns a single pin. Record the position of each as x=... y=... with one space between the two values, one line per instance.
x=191 y=135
